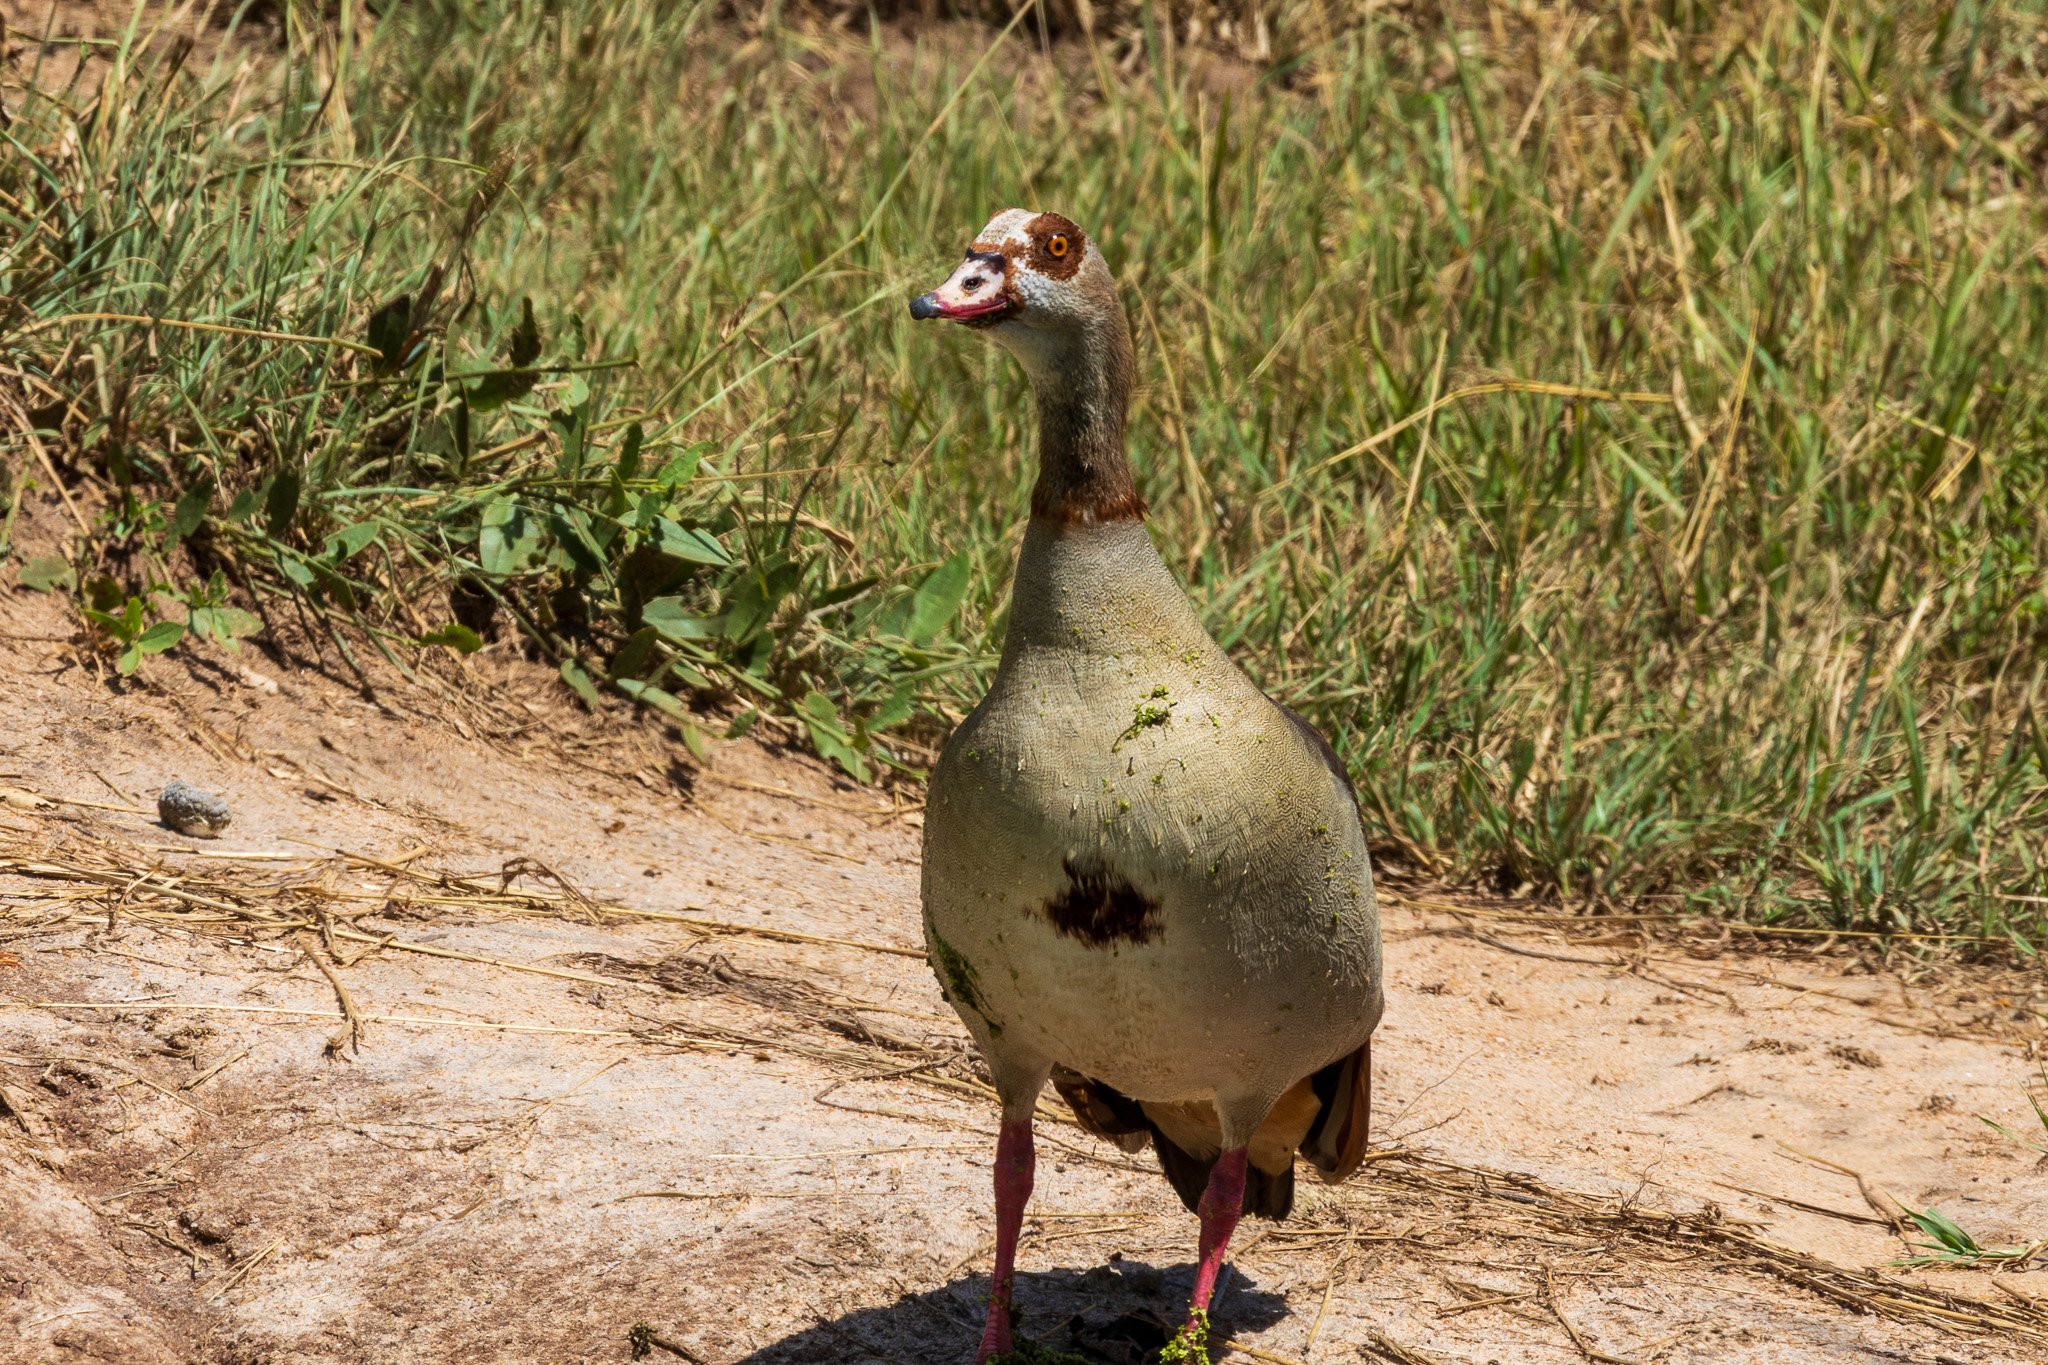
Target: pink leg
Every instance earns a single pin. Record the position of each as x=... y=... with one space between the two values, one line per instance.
x=1222 y=1204
x=1013 y=1189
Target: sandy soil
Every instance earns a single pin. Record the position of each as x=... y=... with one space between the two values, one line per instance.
x=712 y=1088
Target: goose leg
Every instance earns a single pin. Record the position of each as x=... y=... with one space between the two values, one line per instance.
x=1222 y=1204
x=1018 y=1082
x=1014 y=1163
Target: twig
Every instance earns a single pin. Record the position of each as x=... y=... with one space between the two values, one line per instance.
x=348 y=1002
x=1805 y=1207
x=1880 y=1201
x=222 y=1065
x=180 y=324
x=1586 y=1348
x=643 y=1337
x=247 y=1266
x=1308 y=1345
x=1456 y=396
x=204 y=1006
x=1380 y=1342
x=1257 y=1353
x=49 y=467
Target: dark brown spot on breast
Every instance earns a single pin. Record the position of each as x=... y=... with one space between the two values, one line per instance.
x=1100 y=908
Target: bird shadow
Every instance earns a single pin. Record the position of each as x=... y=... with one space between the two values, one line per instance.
x=1121 y=1313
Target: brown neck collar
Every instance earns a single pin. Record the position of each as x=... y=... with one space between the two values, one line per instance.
x=1084 y=475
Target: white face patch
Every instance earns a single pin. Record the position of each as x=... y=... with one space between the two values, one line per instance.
x=1047 y=301
x=1007 y=227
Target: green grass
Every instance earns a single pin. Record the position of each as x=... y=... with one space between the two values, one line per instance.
x=1764 y=634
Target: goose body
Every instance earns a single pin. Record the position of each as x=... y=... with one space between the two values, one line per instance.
x=1143 y=879
x=1136 y=866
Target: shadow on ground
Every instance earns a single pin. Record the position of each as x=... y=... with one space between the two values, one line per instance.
x=1116 y=1314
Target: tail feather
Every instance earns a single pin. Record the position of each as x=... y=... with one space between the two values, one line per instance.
x=1104 y=1112
x=1188 y=1143
x=1335 y=1145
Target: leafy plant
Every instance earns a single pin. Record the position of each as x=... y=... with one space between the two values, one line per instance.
x=209 y=615
x=1954 y=1247
x=48 y=573
x=122 y=622
x=2039 y=1104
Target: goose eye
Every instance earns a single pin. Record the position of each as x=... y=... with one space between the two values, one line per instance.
x=1056 y=245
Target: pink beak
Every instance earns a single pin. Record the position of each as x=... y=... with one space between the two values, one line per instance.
x=974 y=291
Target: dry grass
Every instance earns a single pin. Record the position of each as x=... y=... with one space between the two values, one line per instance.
x=1767 y=647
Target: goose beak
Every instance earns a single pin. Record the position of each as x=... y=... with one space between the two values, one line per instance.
x=977 y=292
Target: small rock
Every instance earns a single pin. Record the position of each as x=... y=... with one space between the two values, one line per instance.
x=188 y=810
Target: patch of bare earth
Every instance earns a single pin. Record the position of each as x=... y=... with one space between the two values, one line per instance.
x=632 y=1047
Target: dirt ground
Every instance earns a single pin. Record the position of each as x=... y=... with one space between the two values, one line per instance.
x=643 y=1046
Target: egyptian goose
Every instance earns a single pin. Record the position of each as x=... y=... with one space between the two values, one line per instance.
x=1144 y=880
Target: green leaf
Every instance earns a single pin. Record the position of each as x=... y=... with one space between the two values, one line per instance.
x=894 y=711
x=571 y=526
x=350 y=540
x=389 y=329
x=743 y=722
x=667 y=615
x=689 y=543
x=241 y=508
x=1944 y=1230
x=131 y=659
x=455 y=636
x=631 y=660
x=102 y=593
x=648 y=695
x=829 y=737
x=754 y=598
x=496 y=390
x=510 y=539
x=629 y=452
x=683 y=467
x=48 y=573
x=191 y=510
x=281 y=502
x=683 y=671
x=573 y=421
x=693 y=740
x=937 y=599
x=845 y=592
x=579 y=683
x=225 y=626
x=160 y=637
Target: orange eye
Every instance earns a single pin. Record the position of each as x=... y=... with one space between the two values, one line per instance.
x=1056 y=245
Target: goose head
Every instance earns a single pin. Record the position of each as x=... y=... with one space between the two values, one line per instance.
x=1039 y=288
